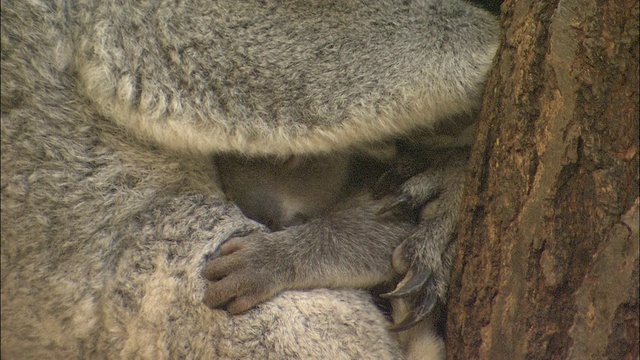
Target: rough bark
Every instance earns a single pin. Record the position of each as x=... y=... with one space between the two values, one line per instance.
x=547 y=263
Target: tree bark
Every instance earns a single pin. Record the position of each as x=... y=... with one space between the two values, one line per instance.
x=547 y=262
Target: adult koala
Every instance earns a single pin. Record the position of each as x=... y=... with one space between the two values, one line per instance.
x=110 y=114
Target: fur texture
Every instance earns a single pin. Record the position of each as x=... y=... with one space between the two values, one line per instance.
x=110 y=112
x=282 y=77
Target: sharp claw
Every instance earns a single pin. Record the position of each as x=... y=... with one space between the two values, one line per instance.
x=426 y=302
x=412 y=283
x=400 y=201
x=423 y=307
x=409 y=321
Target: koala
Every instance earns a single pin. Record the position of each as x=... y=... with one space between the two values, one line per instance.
x=111 y=112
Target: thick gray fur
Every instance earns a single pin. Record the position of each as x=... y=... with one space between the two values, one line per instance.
x=110 y=113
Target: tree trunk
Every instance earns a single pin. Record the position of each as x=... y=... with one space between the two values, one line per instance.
x=547 y=263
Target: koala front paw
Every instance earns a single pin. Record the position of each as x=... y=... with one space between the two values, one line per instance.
x=241 y=275
x=432 y=198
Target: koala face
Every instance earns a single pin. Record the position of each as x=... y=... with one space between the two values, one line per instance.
x=284 y=192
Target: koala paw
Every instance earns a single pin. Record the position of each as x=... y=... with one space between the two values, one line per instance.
x=432 y=198
x=240 y=274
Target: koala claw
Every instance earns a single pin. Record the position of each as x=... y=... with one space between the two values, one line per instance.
x=412 y=283
x=399 y=202
x=417 y=287
x=423 y=306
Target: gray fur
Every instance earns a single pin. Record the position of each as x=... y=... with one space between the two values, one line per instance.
x=110 y=111
x=282 y=77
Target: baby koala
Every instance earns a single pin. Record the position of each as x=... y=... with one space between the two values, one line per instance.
x=335 y=224
x=326 y=232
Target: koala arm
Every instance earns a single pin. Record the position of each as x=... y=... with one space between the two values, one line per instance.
x=346 y=248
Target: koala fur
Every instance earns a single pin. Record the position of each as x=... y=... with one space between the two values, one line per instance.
x=110 y=113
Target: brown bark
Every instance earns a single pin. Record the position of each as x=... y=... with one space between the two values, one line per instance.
x=547 y=263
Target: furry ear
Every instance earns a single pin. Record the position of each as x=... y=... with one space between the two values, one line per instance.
x=294 y=77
